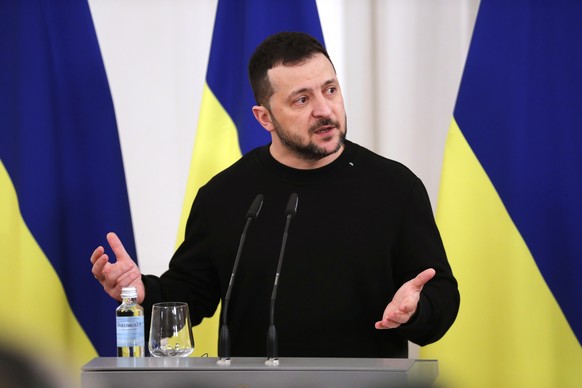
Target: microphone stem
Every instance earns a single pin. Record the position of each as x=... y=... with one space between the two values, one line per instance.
x=272 y=337
x=224 y=342
x=224 y=335
x=279 y=265
x=234 y=268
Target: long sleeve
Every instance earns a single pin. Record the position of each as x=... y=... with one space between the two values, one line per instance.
x=190 y=277
x=422 y=248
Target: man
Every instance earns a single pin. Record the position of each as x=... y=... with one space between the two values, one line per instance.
x=363 y=252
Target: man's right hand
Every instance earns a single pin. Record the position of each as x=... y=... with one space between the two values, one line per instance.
x=122 y=273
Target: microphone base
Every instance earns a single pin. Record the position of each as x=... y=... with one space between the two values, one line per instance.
x=223 y=361
x=272 y=362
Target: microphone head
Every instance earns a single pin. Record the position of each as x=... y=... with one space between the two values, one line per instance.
x=291 y=209
x=255 y=207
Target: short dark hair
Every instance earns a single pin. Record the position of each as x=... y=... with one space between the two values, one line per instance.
x=287 y=48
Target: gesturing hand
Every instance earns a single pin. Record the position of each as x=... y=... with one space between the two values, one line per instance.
x=121 y=273
x=404 y=303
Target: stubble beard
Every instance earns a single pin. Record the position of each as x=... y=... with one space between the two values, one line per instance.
x=309 y=151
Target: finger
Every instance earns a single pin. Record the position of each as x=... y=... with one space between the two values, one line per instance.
x=99 y=264
x=97 y=253
x=402 y=315
x=422 y=278
x=386 y=324
x=396 y=315
x=99 y=267
x=115 y=272
x=390 y=319
x=117 y=247
x=408 y=306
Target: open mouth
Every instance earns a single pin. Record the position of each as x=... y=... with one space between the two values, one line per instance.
x=325 y=130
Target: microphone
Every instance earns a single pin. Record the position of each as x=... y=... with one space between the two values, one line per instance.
x=224 y=334
x=272 y=342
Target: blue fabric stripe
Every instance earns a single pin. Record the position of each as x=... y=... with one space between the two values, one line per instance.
x=60 y=146
x=240 y=26
x=519 y=107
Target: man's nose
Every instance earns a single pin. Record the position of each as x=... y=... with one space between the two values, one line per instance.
x=321 y=107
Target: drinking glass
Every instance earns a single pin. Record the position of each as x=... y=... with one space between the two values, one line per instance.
x=170 y=330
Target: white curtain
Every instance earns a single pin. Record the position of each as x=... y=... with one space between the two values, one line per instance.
x=399 y=63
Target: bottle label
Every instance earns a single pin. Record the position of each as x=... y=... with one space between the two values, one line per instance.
x=130 y=331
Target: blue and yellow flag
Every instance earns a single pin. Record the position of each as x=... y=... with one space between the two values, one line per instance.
x=509 y=208
x=227 y=128
x=62 y=182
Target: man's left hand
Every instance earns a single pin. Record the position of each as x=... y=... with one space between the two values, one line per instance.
x=405 y=301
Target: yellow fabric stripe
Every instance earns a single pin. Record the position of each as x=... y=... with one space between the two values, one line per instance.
x=35 y=317
x=215 y=148
x=510 y=331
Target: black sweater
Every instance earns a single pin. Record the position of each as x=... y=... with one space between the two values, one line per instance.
x=364 y=226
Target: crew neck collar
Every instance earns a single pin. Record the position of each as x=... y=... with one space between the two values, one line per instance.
x=307 y=175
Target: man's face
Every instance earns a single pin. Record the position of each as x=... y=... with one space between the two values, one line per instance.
x=306 y=114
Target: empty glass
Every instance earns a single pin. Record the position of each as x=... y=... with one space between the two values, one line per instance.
x=170 y=330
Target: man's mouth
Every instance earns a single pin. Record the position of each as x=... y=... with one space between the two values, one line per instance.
x=324 y=130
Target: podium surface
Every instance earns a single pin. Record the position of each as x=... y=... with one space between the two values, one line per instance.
x=146 y=372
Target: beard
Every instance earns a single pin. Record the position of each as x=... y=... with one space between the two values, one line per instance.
x=309 y=151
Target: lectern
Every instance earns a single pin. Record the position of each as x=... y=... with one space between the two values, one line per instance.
x=149 y=372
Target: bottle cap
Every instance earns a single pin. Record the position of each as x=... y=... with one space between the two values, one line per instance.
x=129 y=292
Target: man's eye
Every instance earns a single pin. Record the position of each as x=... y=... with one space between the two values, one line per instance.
x=301 y=100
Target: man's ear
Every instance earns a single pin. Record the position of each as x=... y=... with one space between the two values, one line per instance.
x=263 y=117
